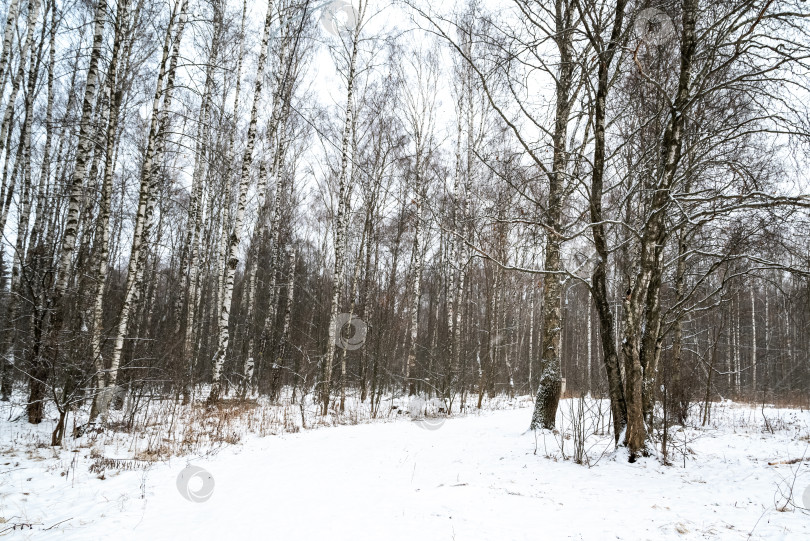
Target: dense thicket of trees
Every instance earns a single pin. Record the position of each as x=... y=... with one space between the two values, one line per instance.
x=211 y=195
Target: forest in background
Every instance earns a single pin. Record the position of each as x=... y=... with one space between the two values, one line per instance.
x=481 y=199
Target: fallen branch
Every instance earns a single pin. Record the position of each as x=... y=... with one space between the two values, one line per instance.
x=791 y=461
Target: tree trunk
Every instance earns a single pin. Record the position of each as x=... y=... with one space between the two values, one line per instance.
x=753 y=341
x=344 y=191
x=236 y=232
x=643 y=294
x=550 y=387
x=82 y=157
x=8 y=37
x=102 y=247
x=416 y=291
x=599 y=290
x=145 y=212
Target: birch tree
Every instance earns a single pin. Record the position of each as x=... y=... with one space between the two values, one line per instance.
x=145 y=210
x=235 y=234
x=343 y=200
x=418 y=111
x=114 y=88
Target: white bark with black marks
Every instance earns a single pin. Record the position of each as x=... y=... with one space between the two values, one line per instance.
x=235 y=236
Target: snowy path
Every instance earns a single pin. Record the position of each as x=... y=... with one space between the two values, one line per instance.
x=473 y=478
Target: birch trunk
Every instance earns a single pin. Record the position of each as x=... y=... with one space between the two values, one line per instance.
x=677 y=337
x=43 y=206
x=367 y=278
x=736 y=332
x=276 y=137
x=285 y=326
x=191 y=247
x=651 y=340
x=82 y=157
x=5 y=131
x=454 y=263
x=39 y=372
x=767 y=329
x=599 y=291
x=145 y=212
x=550 y=387
x=639 y=298
x=222 y=243
x=590 y=340
x=7 y=361
x=24 y=212
x=236 y=232
x=352 y=307
x=268 y=327
x=753 y=341
x=531 y=337
x=416 y=291
x=8 y=38
x=341 y=220
x=102 y=247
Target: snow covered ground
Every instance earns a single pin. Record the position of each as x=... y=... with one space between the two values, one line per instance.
x=481 y=476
